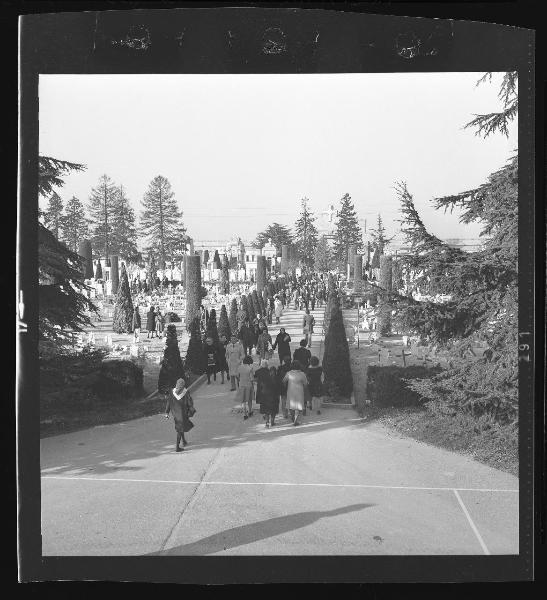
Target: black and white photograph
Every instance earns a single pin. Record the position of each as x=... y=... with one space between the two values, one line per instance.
x=277 y=313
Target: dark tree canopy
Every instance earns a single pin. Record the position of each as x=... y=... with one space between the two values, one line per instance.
x=348 y=232
x=279 y=234
x=123 y=309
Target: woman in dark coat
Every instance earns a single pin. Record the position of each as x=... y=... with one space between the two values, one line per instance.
x=150 y=322
x=181 y=405
x=266 y=393
x=282 y=342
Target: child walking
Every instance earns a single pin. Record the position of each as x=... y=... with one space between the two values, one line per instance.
x=315 y=373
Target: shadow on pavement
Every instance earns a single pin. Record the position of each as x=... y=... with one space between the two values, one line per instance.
x=254 y=532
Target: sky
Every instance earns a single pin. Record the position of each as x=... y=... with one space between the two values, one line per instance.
x=241 y=151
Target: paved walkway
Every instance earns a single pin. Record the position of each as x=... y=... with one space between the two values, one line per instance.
x=334 y=485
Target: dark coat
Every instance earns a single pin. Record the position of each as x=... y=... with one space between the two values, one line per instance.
x=314 y=381
x=246 y=335
x=169 y=375
x=221 y=355
x=210 y=356
x=181 y=410
x=151 y=320
x=266 y=391
x=283 y=347
x=302 y=355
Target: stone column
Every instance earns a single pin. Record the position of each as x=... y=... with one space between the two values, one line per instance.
x=114 y=273
x=84 y=250
x=284 y=258
x=192 y=269
x=260 y=273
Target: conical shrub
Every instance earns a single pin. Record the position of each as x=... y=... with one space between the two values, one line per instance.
x=250 y=307
x=223 y=324
x=171 y=366
x=123 y=309
x=232 y=318
x=194 y=355
x=212 y=330
x=336 y=362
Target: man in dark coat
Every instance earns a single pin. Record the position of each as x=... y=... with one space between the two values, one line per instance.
x=181 y=405
x=221 y=353
x=150 y=322
x=266 y=395
x=246 y=335
x=210 y=353
x=302 y=355
x=282 y=343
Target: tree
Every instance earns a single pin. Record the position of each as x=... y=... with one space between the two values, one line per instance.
x=63 y=304
x=160 y=216
x=216 y=261
x=224 y=328
x=251 y=308
x=101 y=206
x=124 y=233
x=379 y=238
x=245 y=307
x=212 y=330
x=171 y=365
x=347 y=232
x=99 y=271
x=232 y=319
x=205 y=256
x=225 y=276
x=194 y=354
x=178 y=245
x=74 y=224
x=279 y=234
x=256 y=303
x=322 y=259
x=336 y=365
x=122 y=321
x=53 y=215
x=305 y=234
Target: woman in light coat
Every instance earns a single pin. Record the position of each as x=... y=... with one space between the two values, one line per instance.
x=297 y=383
x=278 y=309
x=234 y=357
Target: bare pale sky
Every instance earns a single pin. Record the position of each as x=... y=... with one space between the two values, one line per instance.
x=241 y=151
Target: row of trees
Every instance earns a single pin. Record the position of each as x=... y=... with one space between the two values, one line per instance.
x=111 y=224
x=313 y=250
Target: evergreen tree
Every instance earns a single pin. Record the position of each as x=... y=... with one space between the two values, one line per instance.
x=171 y=365
x=336 y=364
x=348 y=232
x=216 y=261
x=211 y=329
x=279 y=234
x=256 y=303
x=379 y=237
x=74 y=224
x=305 y=235
x=122 y=321
x=178 y=245
x=194 y=354
x=333 y=302
x=160 y=216
x=205 y=256
x=232 y=319
x=245 y=307
x=251 y=308
x=223 y=324
x=99 y=270
x=101 y=207
x=323 y=259
x=225 y=276
x=53 y=215
x=124 y=233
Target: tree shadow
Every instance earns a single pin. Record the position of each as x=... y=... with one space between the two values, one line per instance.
x=254 y=532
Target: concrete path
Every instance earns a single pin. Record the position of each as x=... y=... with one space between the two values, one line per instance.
x=334 y=485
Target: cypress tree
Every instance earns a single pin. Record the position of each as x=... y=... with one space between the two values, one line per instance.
x=384 y=313
x=245 y=307
x=333 y=303
x=194 y=354
x=223 y=324
x=171 y=367
x=216 y=261
x=99 y=271
x=225 y=277
x=256 y=303
x=250 y=308
x=123 y=309
x=205 y=257
x=336 y=364
x=232 y=319
x=212 y=330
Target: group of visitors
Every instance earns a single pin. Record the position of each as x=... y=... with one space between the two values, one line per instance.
x=155 y=322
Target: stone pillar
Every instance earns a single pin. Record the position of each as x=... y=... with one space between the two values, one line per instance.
x=260 y=273
x=358 y=272
x=284 y=258
x=384 y=310
x=84 y=250
x=192 y=269
x=114 y=273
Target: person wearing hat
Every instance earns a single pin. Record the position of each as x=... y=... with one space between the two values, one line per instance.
x=234 y=357
x=181 y=405
x=211 y=359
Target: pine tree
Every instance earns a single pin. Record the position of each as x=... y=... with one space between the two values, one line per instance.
x=101 y=206
x=194 y=354
x=160 y=216
x=232 y=319
x=53 y=215
x=124 y=233
x=336 y=364
x=379 y=237
x=122 y=321
x=74 y=224
x=212 y=330
x=305 y=235
x=178 y=244
x=323 y=259
x=279 y=234
x=224 y=328
x=348 y=232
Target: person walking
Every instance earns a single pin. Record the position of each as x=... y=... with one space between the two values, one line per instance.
x=245 y=393
x=307 y=327
x=221 y=354
x=282 y=343
x=150 y=322
x=246 y=335
x=136 y=324
x=159 y=322
x=278 y=307
x=211 y=359
x=315 y=374
x=296 y=388
x=234 y=357
x=282 y=370
x=266 y=393
x=181 y=405
x=302 y=355
x=263 y=344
